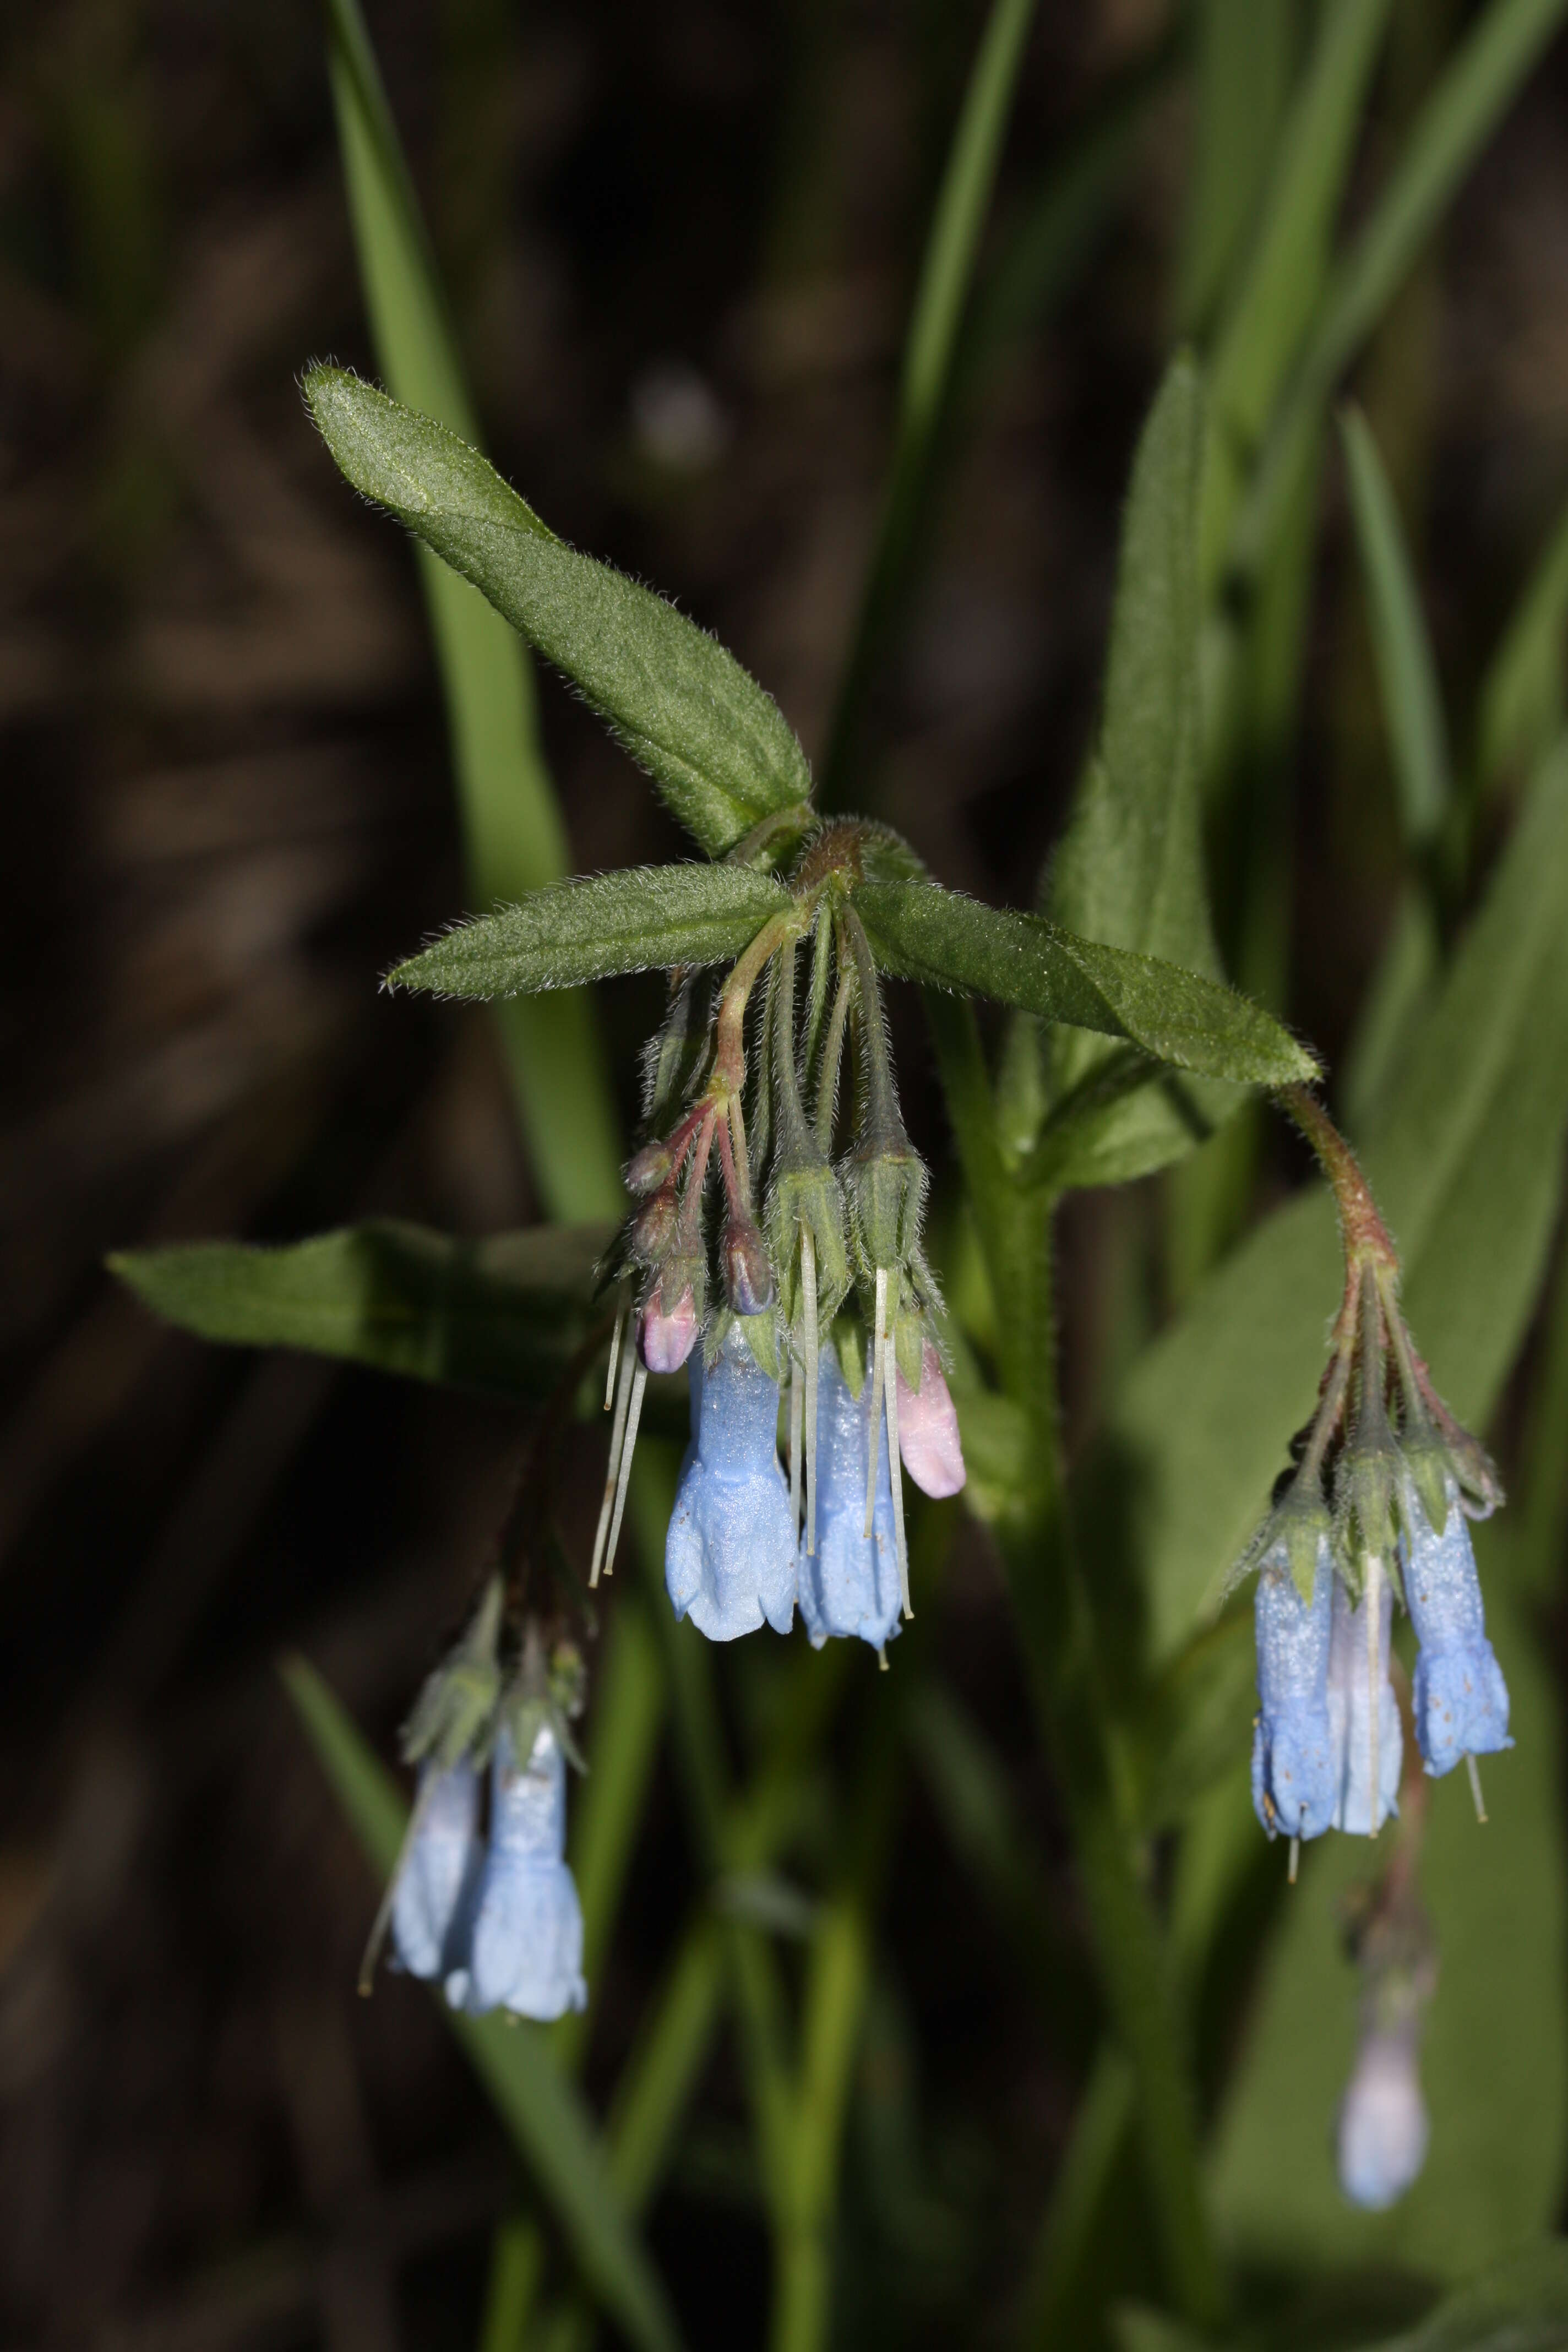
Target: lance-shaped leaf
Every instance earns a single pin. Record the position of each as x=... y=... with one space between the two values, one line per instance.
x=502 y=1315
x=716 y=744
x=541 y=2110
x=920 y=931
x=643 y=919
x=1130 y=871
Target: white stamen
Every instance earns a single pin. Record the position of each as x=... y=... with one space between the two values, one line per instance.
x=640 y=1382
x=878 y=1364
x=808 y=1286
x=615 y=1355
x=882 y=1659
x=617 y=1431
x=796 y=1407
x=1295 y=1858
x=1476 y=1787
x=1373 y=1602
x=896 y=1475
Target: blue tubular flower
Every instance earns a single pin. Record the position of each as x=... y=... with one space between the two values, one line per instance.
x=438 y=1877
x=729 y=1558
x=1381 y=2141
x=1461 y=1699
x=526 y=1950
x=1363 y=1711
x=1295 y=1782
x=851 y=1584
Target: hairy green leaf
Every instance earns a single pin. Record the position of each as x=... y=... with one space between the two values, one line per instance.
x=514 y=835
x=642 y=918
x=1494 y=2062
x=920 y=931
x=543 y=2112
x=1130 y=871
x=502 y=1315
x=1466 y=1164
x=1406 y=669
x=712 y=740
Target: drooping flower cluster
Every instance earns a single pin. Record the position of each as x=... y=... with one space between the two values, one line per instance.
x=491 y=1915
x=1379 y=1504
x=812 y=1279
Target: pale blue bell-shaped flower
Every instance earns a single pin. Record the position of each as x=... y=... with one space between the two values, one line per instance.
x=1460 y=1698
x=1295 y=1778
x=526 y=1950
x=851 y=1583
x=1381 y=2141
x=438 y=1877
x=729 y=1556
x=1363 y=1713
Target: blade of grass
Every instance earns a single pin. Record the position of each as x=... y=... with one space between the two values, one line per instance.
x=1523 y=700
x=1480 y=83
x=540 y=2110
x=946 y=271
x=512 y=831
x=1245 y=53
x=1406 y=669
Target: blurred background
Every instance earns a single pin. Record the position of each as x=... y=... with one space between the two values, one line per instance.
x=680 y=244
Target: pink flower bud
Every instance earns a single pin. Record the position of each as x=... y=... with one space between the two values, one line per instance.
x=669 y=1336
x=653 y=1227
x=649 y=1167
x=928 y=1429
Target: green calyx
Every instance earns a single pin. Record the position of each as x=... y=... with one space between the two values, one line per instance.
x=454 y=1714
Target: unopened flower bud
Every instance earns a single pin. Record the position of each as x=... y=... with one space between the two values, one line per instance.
x=668 y=1334
x=748 y=1276
x=653 y=1227
x=649 y=1169
x=928 y=1429
x=1382 y=2128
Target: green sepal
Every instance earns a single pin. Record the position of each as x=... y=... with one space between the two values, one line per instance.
x=888 y=1184
x=1368 y=1486
x=1429 y=1479
x=454 y=1714
x=909 y=1335
x=808 y=1193
x=848 y=1344
x=760 y=1333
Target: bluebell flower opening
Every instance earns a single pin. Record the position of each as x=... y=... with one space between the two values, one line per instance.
x=851 y=1586
x=1381 y=2142
x=1461 y=1699
x=526 y=1949
x=730 y=1553
x=1295 y=1779
x=438 y=1877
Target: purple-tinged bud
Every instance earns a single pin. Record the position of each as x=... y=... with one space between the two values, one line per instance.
x=928 y=1429
x=748 y=1276
x=649 y=1169
x=653 y=1227
x=1382 y=2129
x=668 y=1335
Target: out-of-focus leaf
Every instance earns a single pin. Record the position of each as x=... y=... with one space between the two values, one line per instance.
x=642 y=918
x=544 y=2116
x=514 y=838
x=712 y=740
x=920 y=931
x=1403 y=984
x=1465 y=1163
x=1523 y=701
x=1521 y=2307
x=1495 y=2056
x=501 y=1315
x=1245 y=52
x=1406 y=671
x=1130 y=869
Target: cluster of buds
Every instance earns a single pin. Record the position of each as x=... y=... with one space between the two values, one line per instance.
x=813 y=1279
x=1378 y=1503
x=489 y=1911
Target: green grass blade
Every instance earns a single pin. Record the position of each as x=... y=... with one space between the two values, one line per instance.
x=1246 y=53
x=1524 y=694
x=946 y=273
x=540 y=2110
x=1406 y=669
x=513 y=836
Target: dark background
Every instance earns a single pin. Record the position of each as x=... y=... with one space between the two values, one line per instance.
x=680 y=242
